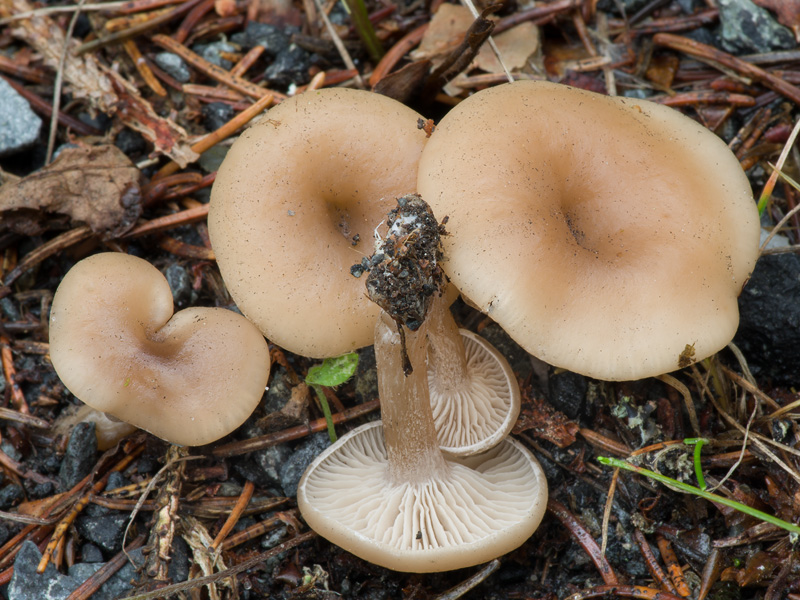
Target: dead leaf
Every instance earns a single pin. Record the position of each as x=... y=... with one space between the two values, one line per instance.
x=96 y=185
x=107 y=91
x=451 y=22
x=545 y=422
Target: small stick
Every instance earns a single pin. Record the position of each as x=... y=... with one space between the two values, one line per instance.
x=104 y=573
x=48 y=249
x=703 y=51
x=652 y=564
x=10 y=374
x=585 y=539
x=222 y=133
x=27 y=73
x=627 y=591
x=607 y=510
x=706 y=97
x=236 y=513
x=66 y=522
x=184 y=217
x=396 y=53
x=687 y=400
x=218 y=73
x=604 y=443
x=710 y=574
x=674 y=569
x=337 y=41
x=293 y=433
x=469 y=584
x=143 y=68
x=256 y=530
x=191 y=19
x=120 y=36
x=185 y=250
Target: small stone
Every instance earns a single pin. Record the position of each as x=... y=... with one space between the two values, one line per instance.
x=365 y=379
x=272 y=38
x=79 y=458
x=19 y=125
x=130 y=142
x=769 y=325
x=292 y=470
x=174 y=66
x=91 y=553
x=213 y=53
x=27 y=584
x=102 y=527
x=567 y=393
x=216 y=114
x=290 y=66
x=11 y=495
x=271 y=460
x=746 y=28
x=179 y=283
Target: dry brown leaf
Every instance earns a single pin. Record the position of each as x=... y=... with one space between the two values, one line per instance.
x=451 y=22
x=105 y=89
x=98 y=186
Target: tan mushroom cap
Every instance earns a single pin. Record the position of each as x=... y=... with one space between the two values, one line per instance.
x=487 y=506
x=189 y=378
x=608 y=236
x=472 y=417
x=293 y=191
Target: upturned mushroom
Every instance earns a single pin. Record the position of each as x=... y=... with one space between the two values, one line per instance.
x=295 y=200
x=189 y=378
x=607 y=236
x=386 y=492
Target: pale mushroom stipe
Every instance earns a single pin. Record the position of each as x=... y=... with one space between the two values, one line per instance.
x=296 y=203
x=386 y=492
x=607 y=236
x=189 y=378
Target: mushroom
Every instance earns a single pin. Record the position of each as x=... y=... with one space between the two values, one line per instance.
x=386 y=492
x=607 y=236
x=189 y=378
x=292 y=201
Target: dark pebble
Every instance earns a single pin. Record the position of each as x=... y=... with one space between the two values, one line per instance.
x=174 y=66
x=27 y=584
x=769 y=326
x=365 y=379
x=272 y=38
x=747 y=28
x=102 y=527
x=292 y=470
x=79 y=459
x=10 y=495
x=567 y=393
x=130 y=142
x=216 y=114
x=91 y=553
x=213 y=53
x=179 y=283
x=270 y=460
x=290 y=66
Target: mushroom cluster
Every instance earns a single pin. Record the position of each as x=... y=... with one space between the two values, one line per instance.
x=189 y=377
x=294 y=203
x=386 y=491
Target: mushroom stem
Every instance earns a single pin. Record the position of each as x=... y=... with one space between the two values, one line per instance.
x=411 y=442
x=447 y=358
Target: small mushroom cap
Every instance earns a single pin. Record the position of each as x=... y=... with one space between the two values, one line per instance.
x=486 y=506
x=189 y=378
x=290 y=197
x=607 y=236
x=477 y=415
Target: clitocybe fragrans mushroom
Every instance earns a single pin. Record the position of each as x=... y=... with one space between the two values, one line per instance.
x=386 y=492
x=189 y=378
x=608 y=236
x=295 y=201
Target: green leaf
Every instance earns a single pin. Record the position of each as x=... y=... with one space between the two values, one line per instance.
x=333 y=371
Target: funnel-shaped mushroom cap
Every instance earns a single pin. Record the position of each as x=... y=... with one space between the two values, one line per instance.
x=189 y=378
x=290 y=203
x=479 y=411
x=608 y=236
x=488 y=505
